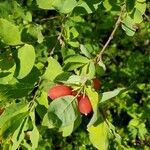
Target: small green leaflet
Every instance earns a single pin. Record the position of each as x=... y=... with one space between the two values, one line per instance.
x=128 y=26
x=26 y=56
x=85 y=51
x=108 y=95
x=99 y=135
x=53 y=69
x=9 y=33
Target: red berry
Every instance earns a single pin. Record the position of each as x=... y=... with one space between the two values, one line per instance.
x=96 y=84
x=59 y=91
x=84 y=105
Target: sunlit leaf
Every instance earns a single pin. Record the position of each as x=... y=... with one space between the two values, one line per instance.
x=94 y=98
x=108 y=95
x=9 y=33
x=99 y=135
x=53 y=69
x=26 y=56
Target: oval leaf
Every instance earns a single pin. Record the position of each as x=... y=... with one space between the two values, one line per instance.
x=9 y=33
x=26 y=55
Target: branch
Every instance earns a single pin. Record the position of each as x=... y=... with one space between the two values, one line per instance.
x=51 y=51
x=118 y=22
x=148 y=19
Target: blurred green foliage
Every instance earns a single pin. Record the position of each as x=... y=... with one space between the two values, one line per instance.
x=127 y=61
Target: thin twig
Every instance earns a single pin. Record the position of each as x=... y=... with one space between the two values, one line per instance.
x=118 y=22
x=148 y=19
x=58 y=38
x=50 y=18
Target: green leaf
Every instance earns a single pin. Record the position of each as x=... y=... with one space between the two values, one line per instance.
x=108 y=95
x=26 y=56
x=87 y=7
x=9 y=33
x=141 y=6
x=130 y=5
x=45 y=4
x=99 y=135
x=74 y=44
x=75 y=79
x=46 y=122
x=91 y=70
x=11 y=111
x=7 y=67
x=64 y=6
x=34 y=33
x=137 y=16
x=111 y=5
x=72 y=66
x=34 y=137
x=63 y=111
x=63 y=77
x=42 y=99
x=94 y=99
x=66 y=131
x=18 y=90
x=74 y=62
x=128 y=26
x=18 y=135
x=100 y=69
x=11 y=125
x=85 y=51
x=53 y=69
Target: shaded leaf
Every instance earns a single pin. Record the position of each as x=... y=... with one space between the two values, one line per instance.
x=11 y=125
x=18 y=135
x=63 y=111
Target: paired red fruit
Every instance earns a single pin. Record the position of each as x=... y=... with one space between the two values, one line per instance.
x=59 y=91
x=96 y=84
x=84 y=105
